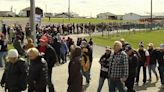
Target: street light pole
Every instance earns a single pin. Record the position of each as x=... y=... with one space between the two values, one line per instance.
x=151 y=26
x=69 y=10
x=32 y=20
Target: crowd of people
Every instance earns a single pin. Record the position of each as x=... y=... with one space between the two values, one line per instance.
x=121 y=65
x=32 y=64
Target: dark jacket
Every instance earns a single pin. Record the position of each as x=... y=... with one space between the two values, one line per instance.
x=56 y=45
x=142 y=58
x=3 y=45
x=17 y=45
x=50 y=56
x=104 y=65
x=133 y=61
x=15 y=76
x=38 y=75
x=75 y=77
x=160 y=58
x=153 y=54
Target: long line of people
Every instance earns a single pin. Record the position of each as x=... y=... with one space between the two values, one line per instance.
x=124 y=70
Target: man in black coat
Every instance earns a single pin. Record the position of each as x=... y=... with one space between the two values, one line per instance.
x=15 y=75
x=50 y=56
x=133 y=61
x=17 y=45
x=160 y=59
x=56 y=45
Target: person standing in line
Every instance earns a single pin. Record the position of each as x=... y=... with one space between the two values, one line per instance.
x=104 y=68
x=91 y=42
x=63 y=50
x=38 y=71
x=74 y=70
x=30 y=44
x=152 y=66
x=144 y=60
x=57 y=45
x=133 y=61
x=86 y=60
x=118 y=68
x=50 y=56
x=3 y=50
x=160 y=59
x=14 y=78
x=18 y=45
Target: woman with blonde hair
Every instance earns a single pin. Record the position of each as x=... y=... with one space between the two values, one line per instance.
x=38 y=71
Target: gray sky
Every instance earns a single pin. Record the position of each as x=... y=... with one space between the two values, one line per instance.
x=88 y=7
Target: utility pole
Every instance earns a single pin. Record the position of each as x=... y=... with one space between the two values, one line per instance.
x=69 y=15
x=32 y=20
x=151 y=26
x=46 y=7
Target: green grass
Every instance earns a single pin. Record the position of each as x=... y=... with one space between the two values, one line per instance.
x=156 y=37
x=79 y=20
x=66 y=20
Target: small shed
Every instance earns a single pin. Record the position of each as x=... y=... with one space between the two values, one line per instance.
x=26 y=12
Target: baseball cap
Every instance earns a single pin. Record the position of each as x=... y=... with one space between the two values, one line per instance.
x=128 y=48
x=43 y=39
x=141 y=44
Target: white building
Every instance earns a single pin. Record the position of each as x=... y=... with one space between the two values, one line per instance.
x=106 y=15
x=7 y=14
x=131 y=16
x=48 y=14
x=26 y=12
x=119 y=17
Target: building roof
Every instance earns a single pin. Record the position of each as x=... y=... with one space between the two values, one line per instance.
x=132 y=14
x=28 y=9
x=107 y=13
x=62 y=14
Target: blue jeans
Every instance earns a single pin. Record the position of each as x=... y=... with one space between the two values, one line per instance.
x=101 y=83
x=87 y=76
x=161 y=73
x=116 y=84
x=2 y=58
x=152 y=68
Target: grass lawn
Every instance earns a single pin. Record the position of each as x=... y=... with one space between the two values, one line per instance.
x=65 y=20
x=79 y=20
x=156 y=37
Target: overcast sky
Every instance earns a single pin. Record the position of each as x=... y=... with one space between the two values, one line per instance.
x=87 y=7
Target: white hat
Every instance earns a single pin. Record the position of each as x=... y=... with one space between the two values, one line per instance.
x=13 y=53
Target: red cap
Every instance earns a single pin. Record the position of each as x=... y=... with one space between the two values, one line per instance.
x=44 y=39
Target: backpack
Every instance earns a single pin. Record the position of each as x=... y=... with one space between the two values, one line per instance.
x=85 y=63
